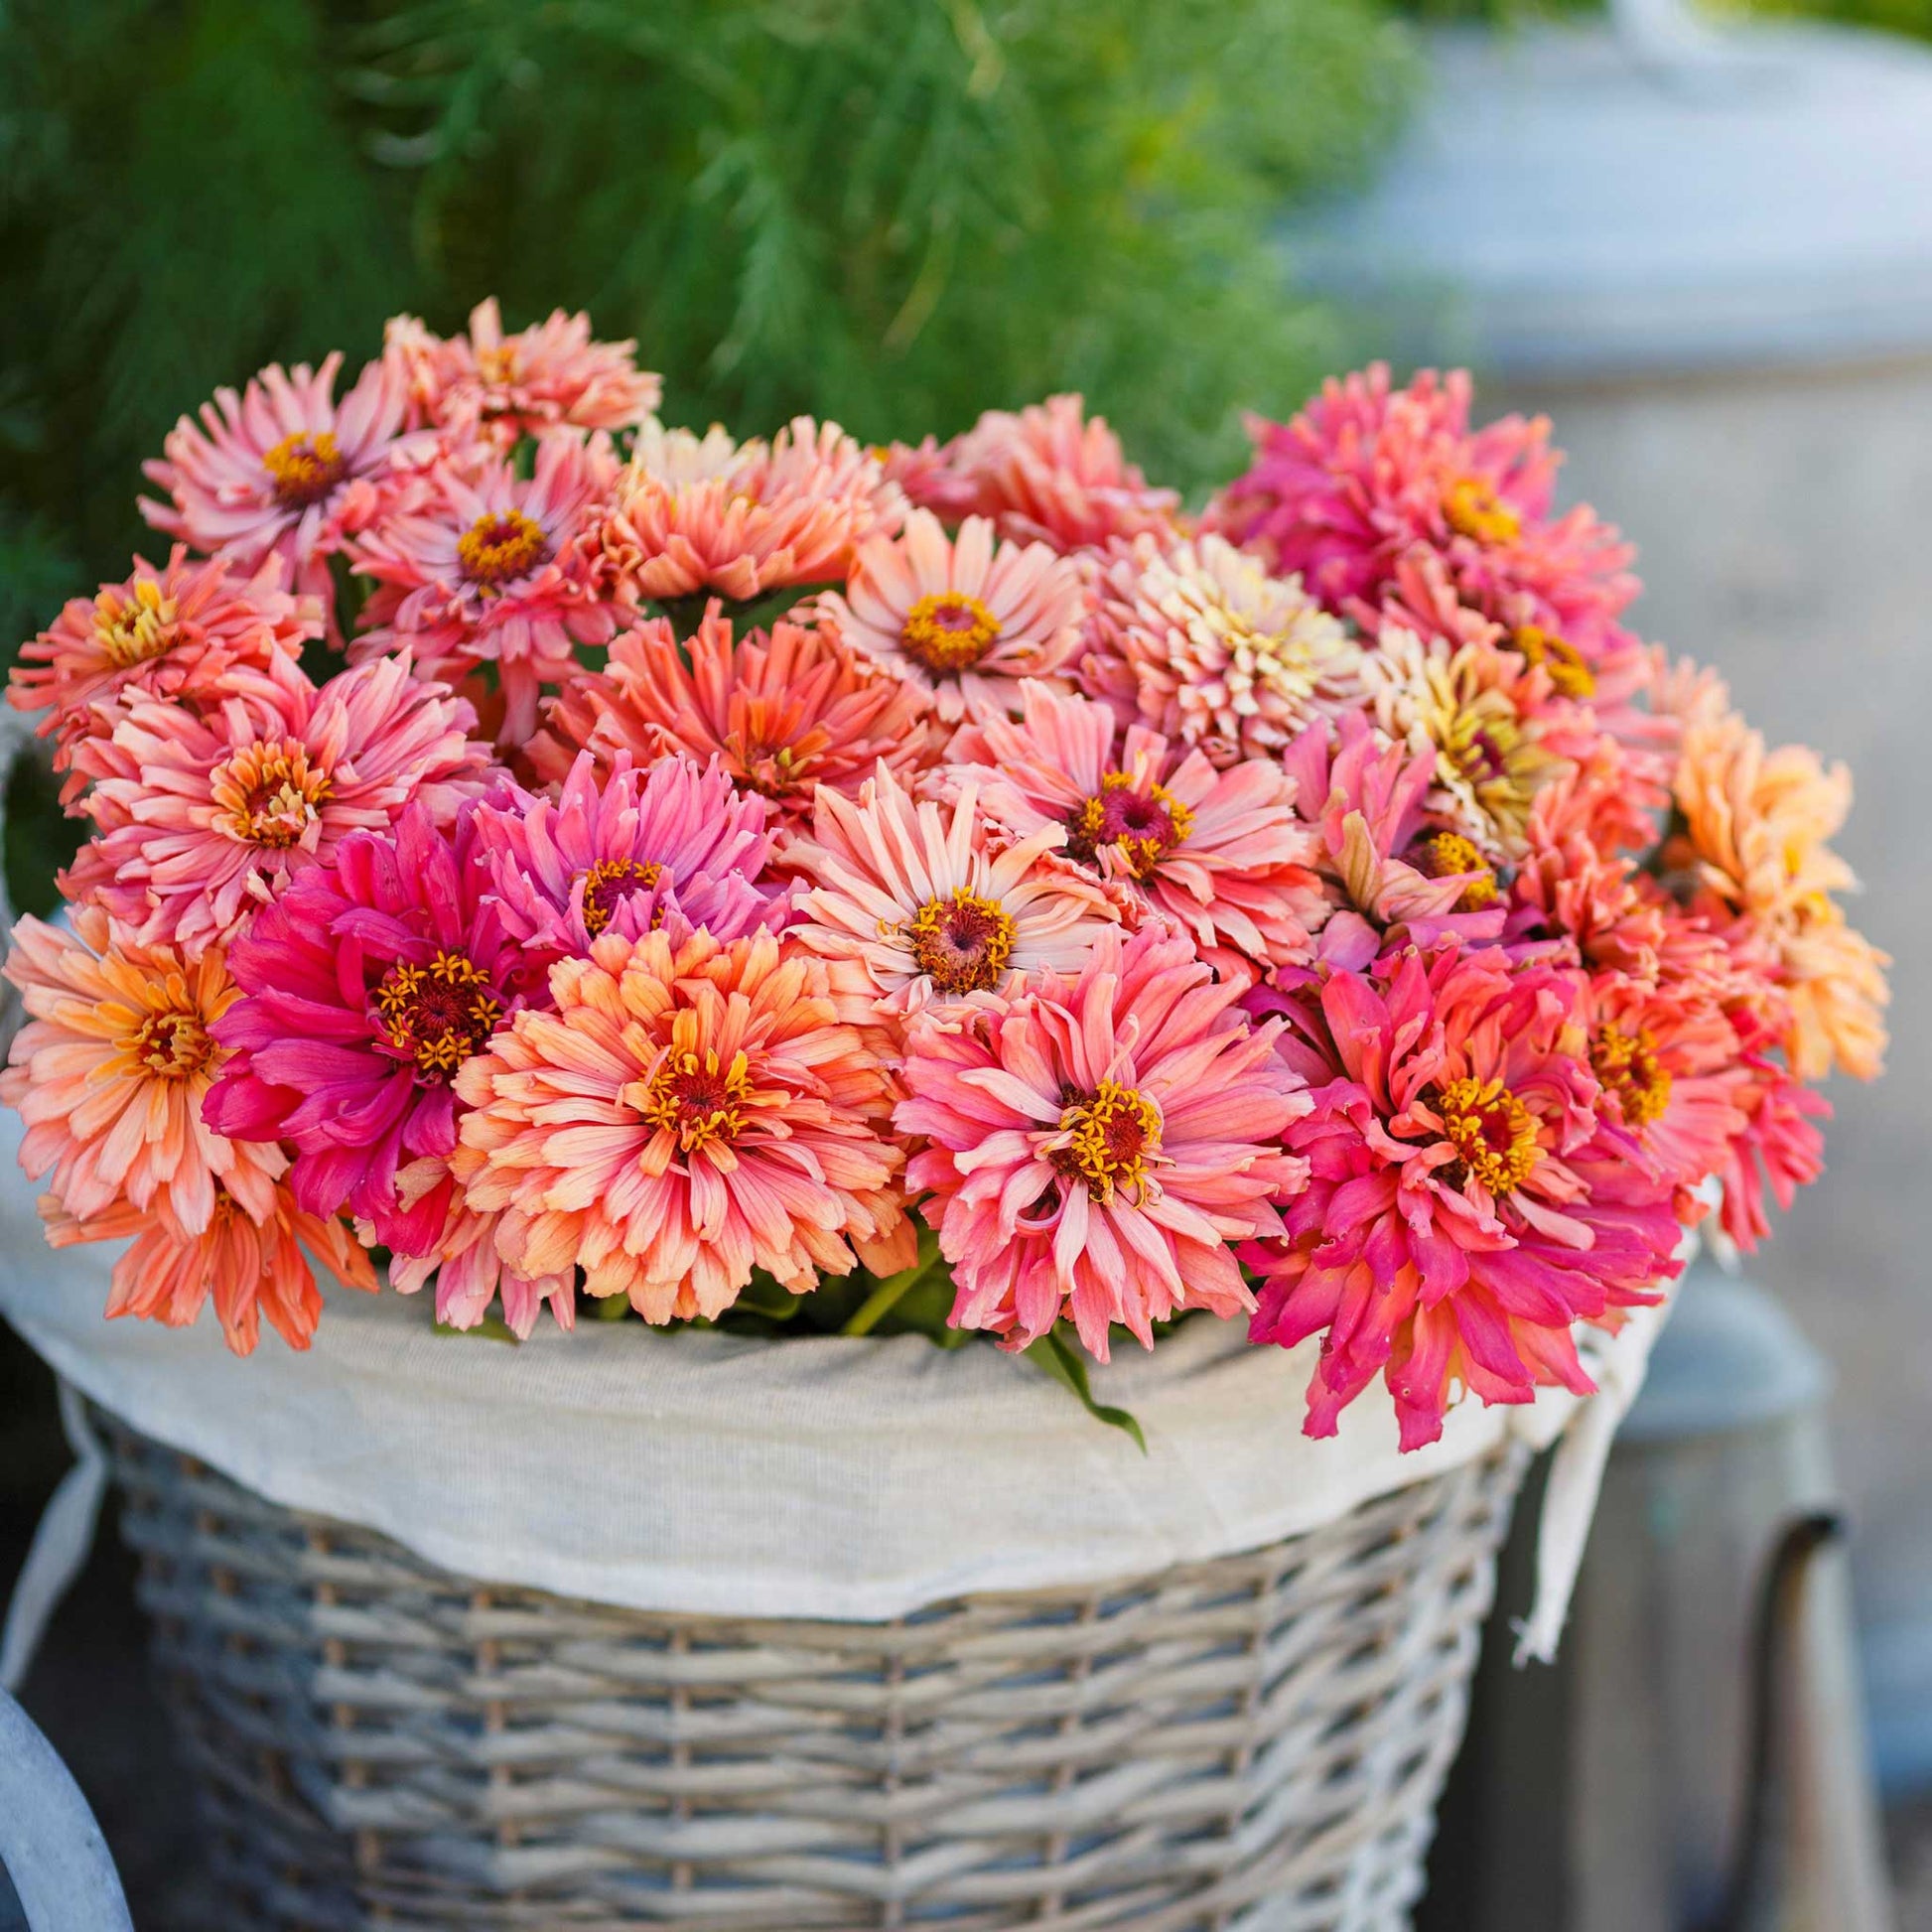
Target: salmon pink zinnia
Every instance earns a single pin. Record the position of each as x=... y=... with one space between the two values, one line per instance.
x=204 y=820
x=1097 y=1142
x=960 y=618
x=1471 y=1197
x=688 y=1113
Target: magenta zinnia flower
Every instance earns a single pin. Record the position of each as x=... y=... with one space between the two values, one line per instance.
x=520 y=384
x=284 y=466
x=1473 y=1194
x=485 y=566
x=1097 y=1143
x=367 y=984
x=1220 y=852
x=620 y=854
x=202 y=819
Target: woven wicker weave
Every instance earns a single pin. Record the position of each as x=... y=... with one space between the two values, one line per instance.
x=1254 y=1742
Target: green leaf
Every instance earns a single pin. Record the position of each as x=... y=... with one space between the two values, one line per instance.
x=492 y=1328
x=1061 y=1358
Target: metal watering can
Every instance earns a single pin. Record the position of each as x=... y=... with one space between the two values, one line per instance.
x=1696 y=1761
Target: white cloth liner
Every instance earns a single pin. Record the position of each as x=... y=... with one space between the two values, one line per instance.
x=717 y=1474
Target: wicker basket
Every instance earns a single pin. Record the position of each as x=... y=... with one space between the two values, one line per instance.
x=1253 y=1743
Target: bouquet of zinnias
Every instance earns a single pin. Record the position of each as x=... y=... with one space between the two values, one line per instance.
x=940 y=887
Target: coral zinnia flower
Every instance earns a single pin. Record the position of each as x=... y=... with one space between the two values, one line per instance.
x=960 y=618
x=916 y=909
x=110 y=1072
x=615 y=854
x=484 y=566
x=251 y=1266
x=1757 y=826
x=283 y=466
x=695 y=513
x=783 y=713
x=202 y=819
x=1367 y=470
x=688 y=1113
x=1097 y=1142
x=368 y=983
x=1049 y=474
x=1220 y=852
x=1200 y=642
x=520 y=384
x=171 y=633
x=470 y=1272
x=1470 y=1196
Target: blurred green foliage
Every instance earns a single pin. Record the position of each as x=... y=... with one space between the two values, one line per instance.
x=891 y=211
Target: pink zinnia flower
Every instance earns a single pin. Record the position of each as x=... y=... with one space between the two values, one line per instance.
x=523 y=383
x=619 y=853
x=916 y=905
x=1220 y=852
x=1096 y=1144
x=202 y=819
x=693 y=514
x=1471 y=1195
x=285 y=468
x=1197 y=642
x=485 y=566
x=1049 y=474
x=782 y=712
x=111 y=1071
x=1340 y=493
x=251 y=1265
x=368 y=983
x=1779 y=1148
x=960 y=618
x=688 y=1113
x=171 y=633
x=469 y=1268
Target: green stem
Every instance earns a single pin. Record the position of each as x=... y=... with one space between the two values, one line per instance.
x=886 y=1297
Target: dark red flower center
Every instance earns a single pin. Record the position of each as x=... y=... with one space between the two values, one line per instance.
x=1144 y=825
x=436 y=1015
x=500 y=545
x=962 y=942
x=610 y=882
x=949 y=630
x=305 y=469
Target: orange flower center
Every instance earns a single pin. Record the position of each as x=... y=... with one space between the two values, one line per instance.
x=1570 y=675
x=437 y=1015
x=1106 y=1139
x=173 y=1045
x=131 y=631
x=269 y=794
x=962 y=942
x=1474 y=509
x=1446 y=855
x=1626 y=1064
x=610 y=882
x=496 y=363
x=1144 y=826
x=949 y=630
x=698 y=1098
x=305 y=469
x=1492 y=1131
x=500 y=545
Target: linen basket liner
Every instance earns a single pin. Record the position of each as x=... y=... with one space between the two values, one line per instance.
x=717 y=1474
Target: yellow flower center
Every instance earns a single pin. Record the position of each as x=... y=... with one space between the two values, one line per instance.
x=610 y=882
x=1627 y=1065
x=305 y=469
x=500 y=545
x=172 y=1044
x=949 y=630
x=1143 y=826
x=440 y=1014
x=1492 y=1131
x=697 y=1098
x=962 y=942
x=1474 y=510
x=269 y=794
x=1447 y=855
x=1570 y=675
x=496 y=363
x=1106 y=1139
x=131 y=631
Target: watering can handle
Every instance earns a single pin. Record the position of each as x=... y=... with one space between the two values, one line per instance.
x=62 y=1870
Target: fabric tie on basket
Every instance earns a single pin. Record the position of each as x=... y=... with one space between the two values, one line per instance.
x=707 y=1474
